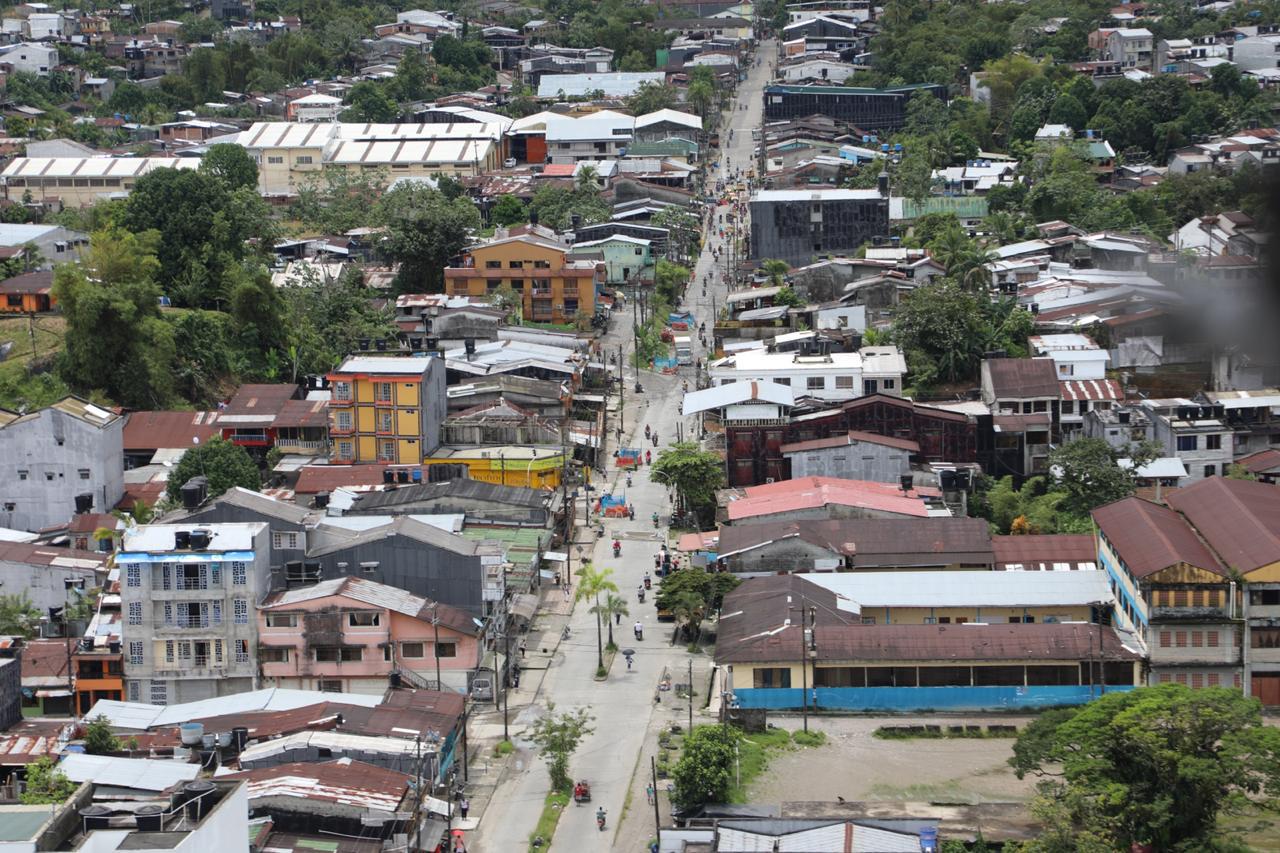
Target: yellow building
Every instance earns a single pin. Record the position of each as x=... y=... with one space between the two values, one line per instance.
x=80 y=181
x=386 y=409
x=554 y=285
x=532 y=467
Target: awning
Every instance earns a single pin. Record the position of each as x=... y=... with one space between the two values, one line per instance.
x=556 y=557
x=524 y=606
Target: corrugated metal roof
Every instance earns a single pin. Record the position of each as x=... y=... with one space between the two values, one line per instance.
x=140 y=715
x=1240 y=519
x=966 y=589
x=732 y=393
x=378 y=595
x=853 y=437
x=1149 y=537
x=874 y=542
x=343 y=781
x=1091 y=389
x=1045 y=551
x=156 y=430
x=813 y=492
x=1022 y=378
x=144 y=774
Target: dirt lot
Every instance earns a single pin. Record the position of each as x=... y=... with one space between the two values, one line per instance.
x=857 y=766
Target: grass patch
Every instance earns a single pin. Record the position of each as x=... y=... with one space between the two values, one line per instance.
x=754 y=752
x=540 y=838
x=967 y=732
x=503 y=747
x=803 y=738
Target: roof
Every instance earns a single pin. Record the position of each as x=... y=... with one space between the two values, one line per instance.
x=1164 y=466
x=91 y=167
x=144 y=774
x=47 y=555
x=613 y=84
x=818 y=194
x=1149 y=537
x=1091 y=389
x=256 y=405
x=157 y=430
x=141 y=716
x=378 y=595
x=313 y=479
x=815 y=492
x=732 y=393
x=40 y=281
x=670 y=117
x=965 y=589
x=1022 y=378
x=45 y=661
x=402 y=525
x=1240 y=519
x=345 y=782
x=1045 y=552
x=1264 y=461
x=465 y=489
x=853 y=437
x=879 y=542
x=303 y=413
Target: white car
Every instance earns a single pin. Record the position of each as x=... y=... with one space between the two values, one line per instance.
x=509 y=163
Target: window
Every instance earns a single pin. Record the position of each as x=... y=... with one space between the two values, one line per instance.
x=159 y=693
x=239 y=574
x=241 y=607
x=844 y=382
x=23 y=474
x=1187 y=442
x=382 y=392
x=1213 y=442
x=217 y=612
x=1180 y=638
x=888 y=384
x=384 y=422
x=412 y=650
x=325 y=686
x=1211 y=680
x=303 y=160
x=363 y=618
x=1166 y=639
x=339 y=654
x=1211 y=639
x=242 y=651
x=284 y=541
x=275 y=161
x=1264 y=597
x=493 y=265
x=135 y=612
x=282 y=620
x=133 y=575
x=516 y=265
x=345 y=449
x=446 y=650
x=1197 y=680
x=783 y=380
x=135 y=652
x=342 y=391
x=1068 y=407
x=1210 y=470
x=273 y=654
x=342 y=420
x=1040 y=406
x=217 y=651
x=387 y=450
x=135 y=691
x=48 y=475
x=868 y=620
x=1197 y=639
x=815 y=383
x=84 y=472
x=771 y=677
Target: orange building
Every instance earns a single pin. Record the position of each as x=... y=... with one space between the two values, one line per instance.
x=386 y=409
x=556 y=286
x=28 y=293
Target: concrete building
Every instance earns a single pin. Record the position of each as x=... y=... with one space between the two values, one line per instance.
x=1131 y=48
x=556 y=287
x=830 y=376
x=80 y=181
x=316 y=107
x=1258 y=52
x=50 y=577
x=816 y=498
x=1197 y=434
x=798 y=226
x=867 y=109
x=352 y=635
x=386 y=409
x=58 y=461
x=626 y=259
x=600 y=136
x=28 y=58
x=614 y=84
x=855 y=456
x=188 y=594
x=55 y=243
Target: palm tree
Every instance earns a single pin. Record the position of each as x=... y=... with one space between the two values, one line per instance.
x=614 y=605
x=776 y=270
x=591 y=583
x=688 y=607
x=587 y=176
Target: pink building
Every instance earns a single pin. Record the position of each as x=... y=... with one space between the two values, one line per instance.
x=351 y=634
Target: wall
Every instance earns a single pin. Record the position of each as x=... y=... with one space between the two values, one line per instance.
x=861 y=460
x=34 y=446
x=787 y=555
x=923 y=698
x=45 y=585
x=415 y=567
x=787 y=231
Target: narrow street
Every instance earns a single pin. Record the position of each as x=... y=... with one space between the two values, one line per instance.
x=615 y=758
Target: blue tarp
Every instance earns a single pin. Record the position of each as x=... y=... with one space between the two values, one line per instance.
x=921 y=698
x=665 y=362
x=612 y=500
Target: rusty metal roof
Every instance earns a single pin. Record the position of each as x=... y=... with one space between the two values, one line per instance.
x=344 y=781
x=874 y=541
x=156 y=430
x=1149 y=537
x=1022 y=378
x=1240 y=519
x=1070 y=551
x=853 y=437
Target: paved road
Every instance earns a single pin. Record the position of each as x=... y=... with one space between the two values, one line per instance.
x=622 y=705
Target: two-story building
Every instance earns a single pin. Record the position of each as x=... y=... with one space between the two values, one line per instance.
x=1131 y=48
x=554 y=286
x=1023 y=395
x=826 y=376
x=386 y=409
x=627 y=260
x=604 y=135
x=188 y=594
x=1197 y=434
x=352 y=635
x=1082 y=377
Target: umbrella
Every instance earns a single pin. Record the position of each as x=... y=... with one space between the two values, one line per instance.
x=626 y=653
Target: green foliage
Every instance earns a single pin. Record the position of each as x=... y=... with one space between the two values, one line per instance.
x=670 y=280
x=592 y=583
x=704 y=773
x=116 y=340
x=1239 y=472
x=1086 y=470
x=18 y=616
x=557 y=737
x=651 y=97
x=812 y=738
x=424 y=231
x=232 y=165
x=335 y=200
x=693 y=472
x=685 y=229
x=554 y=206
x=326 y=318
x=944 y=329
x=692 y=593
x=508 y=210
x=776 y=269
x=370 y=103
x=1156 y=766
x=787 y=296
x=223 y=463
x=98 y=738
x=46 y=784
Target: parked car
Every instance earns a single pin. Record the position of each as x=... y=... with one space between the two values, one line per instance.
x=509 y=163
x=482 y=689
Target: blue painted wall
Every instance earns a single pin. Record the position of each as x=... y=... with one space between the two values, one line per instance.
x=921 y=698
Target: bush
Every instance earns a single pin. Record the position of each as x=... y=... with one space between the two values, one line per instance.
x=503 y=747
x=803 y=738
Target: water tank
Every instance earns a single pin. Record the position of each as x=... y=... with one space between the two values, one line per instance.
x=150 y=819
x=181 y=540
x=394 y=679
x=198 y=801
x=417 y=475
x=191 y=733
x=193 y=492
x=84 y=503
x=380 y=345
x=224 y=739
x=388 y=476
x=209 y=741
x=240 y=737
x=95 y=817
x=905 y=482
x=200 y=540
x=321 y=500
x=402 y=476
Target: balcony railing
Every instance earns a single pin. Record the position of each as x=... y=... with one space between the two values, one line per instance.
x=188 y=622
x=285 y=445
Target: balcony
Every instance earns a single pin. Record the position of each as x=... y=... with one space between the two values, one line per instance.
x=298 y=445
x=1191 y=614
x=184 y=622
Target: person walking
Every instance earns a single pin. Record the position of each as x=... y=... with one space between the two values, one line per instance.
x=463 y=807
x=522 y=648
x=648 y=793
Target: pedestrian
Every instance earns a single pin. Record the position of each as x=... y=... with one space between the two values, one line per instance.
x=522 y=648
x=617 y=618
x=465 y=806
x=566 y=592
x=648 y=793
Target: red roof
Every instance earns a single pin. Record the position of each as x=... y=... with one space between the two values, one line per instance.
x=1044 y=552
x=157 y=430
x=1091 y=389
x=325 y=478
x=1263 y=461
x=303 y=413
x=559 y=170
x=815 y=492
x=28 y=282
x=1238 y=518
x=853 y=437
x=1150 y=538
x=45 y=659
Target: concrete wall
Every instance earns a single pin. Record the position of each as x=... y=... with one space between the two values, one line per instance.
x=53 y=448
x=862 y=460
x=46 y=586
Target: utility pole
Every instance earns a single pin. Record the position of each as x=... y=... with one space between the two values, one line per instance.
x=657 y=816
x=622 y=394
x=435 y=624
x=506 y=689
x=690 y=695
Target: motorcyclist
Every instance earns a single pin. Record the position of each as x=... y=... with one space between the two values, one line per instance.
x=600 y=818
x=639 y=630
x=617 y=547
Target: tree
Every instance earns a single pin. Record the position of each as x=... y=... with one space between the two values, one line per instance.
x=116 y=340
x=46 y=784
x=223 y=463
x=696 y=591
x=1156 y=765
x=943 y=327
x=412 y=76
x=588 y=180
x=613 y=605
x=424 y=231
x=693 y=472
x=558 y=736
x=591 y=583
x=776 y=270
x=1069 y=111
x=787 y=296
x=651 y=97
x=18 y=616
x=508 y=210
x=98 y=738
x=1086 y=470
x=370 y=103
x=1235 y=471
x=704 y=773
x=232 y=165
x=670 y=280
x=555 y=207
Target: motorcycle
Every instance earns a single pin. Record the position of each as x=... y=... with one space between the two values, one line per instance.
x=628 y=481
x=600 y=819
x=617 y=549
x=655 y=519
x=640 y=595
x=639 y=631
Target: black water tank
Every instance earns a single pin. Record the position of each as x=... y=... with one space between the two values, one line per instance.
x=469 y=344
x=198 y=799
x=150 y=819
x=240 y=737
x=181 y=540
x=84 y=503
x=882 y=184
x=905 y=481
x=947 y=480
x=95 y=817
x=200 y=540
x=321 y=500
x=388 y=476
x=380 y=345
x=394 y=678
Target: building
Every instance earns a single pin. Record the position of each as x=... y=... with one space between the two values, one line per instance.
x=853 y=456
x=555 y=286
x=828 y=497
x=779 y=635
x=1252 y=416
x=28 y=293
x=1045 y=552
x=870 y=110
x=613 y=84
x=1197 y=434
x=188 y=595
x=59 y=461
x=29 y=58
x=315 y=107
x=80 y=181
x=1131 y=48
x=248 y=418
x=828 y=376
x=798 y=226
x=600 y=136
x=352 y=635
x=10 y=693
x=627 y=260
x=386 y=409
x=54 y=242
x=50 y=577
x=1023 y=395
x=290 y=153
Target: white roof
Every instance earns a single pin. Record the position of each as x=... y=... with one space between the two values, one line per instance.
x=537 y=121
x=140 y=715
x=787 y=362
x=391 y=365
x=406 y=151
x=287 y=134
x=1055 y=131
x=228 y=536
x=865 y=590
x=882 y=360
x=144 y=774
x=613 y=84
x=1133 y=33
x=310 y=787
x=616 y=238
x=336 y=742
x=672 y=116
x=814 y=195
x=357 y=589
x=598 y=126
x=93 y=167
x=719 y=396
x=1165 y=466
x=317 y=98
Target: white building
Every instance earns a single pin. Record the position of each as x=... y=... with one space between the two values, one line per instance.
x=1131 y=48
x=1075 y=356
x=38 y=59
x=831 y=376
x=315 y=107
x=599 y=136
x=1256 y=53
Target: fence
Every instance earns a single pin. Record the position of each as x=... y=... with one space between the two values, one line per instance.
x=921 y=698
